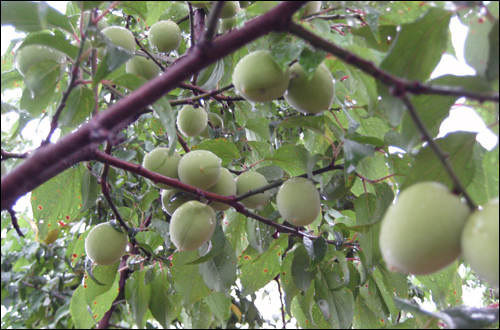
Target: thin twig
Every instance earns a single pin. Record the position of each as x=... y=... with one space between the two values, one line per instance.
x=399 y=84
x=437 y=150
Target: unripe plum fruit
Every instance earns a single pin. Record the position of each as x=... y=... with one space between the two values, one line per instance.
x=180 y=198
x=142 y=67
x=159 y=162
x=101 y=25
x=192 y=121
x=192 y=225
x=420 y=233
x=229 y=9
x=480 y=242
x=199 y=168
x=30 y=55
x=310 y=96
x=216 y=122
x=165 y=36
x=120 y=37
x=258 y=78
x=226 y=24
x=298 y=201
x=251 y=180
x=105 y=245
x=312 y=7
x=225 y=186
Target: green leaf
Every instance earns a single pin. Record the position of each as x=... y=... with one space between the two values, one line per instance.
x=291 y=158
x=219 y=273
x=42 y=78
x=79 y=106
x=484 y=185
x=433 y=109
x=138 y=295
x=222 y=148
x=316 y=249
x=33 y=16
x=261 y=270
x=58 y=199
x=477 y=49
x=441 y=284
x=220 y=305
x=187 y=279
x=354 y=152
x=79 y=310
x=107 y=275
x=286 y=279
x=458 y=147
x=164 y=305
x=302 y=273
x=114 y=58
x=167 y=118
x=259 y=235
x=234 y=226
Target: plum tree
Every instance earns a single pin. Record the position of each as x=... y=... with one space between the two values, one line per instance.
x=160 y=162
x=165 y=36
x=142 y=67
x=251 y=180
x=192 y=225
x=258 y=78
x=420 y=233
x=120 y=37
x=192 y=121
x=199 y=168
x=30 y=55
x=105 y=245
x=298 y=201
x=225 y=186
x=179 y=196
x=310 y=96
x=216 y=122
x=480 y=237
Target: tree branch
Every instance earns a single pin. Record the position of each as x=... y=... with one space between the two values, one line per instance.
x=52 y=159
x=403 y=85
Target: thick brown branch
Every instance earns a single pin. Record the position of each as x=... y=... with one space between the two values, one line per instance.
x=52 y=159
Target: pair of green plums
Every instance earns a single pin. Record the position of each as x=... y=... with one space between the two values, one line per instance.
x=428 y=228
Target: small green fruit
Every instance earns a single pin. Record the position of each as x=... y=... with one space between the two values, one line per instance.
x=179 y=196
x=225 y=186
x=101 y=25
x=258 y=78
x=226 y=24
x=310 y=96
x=142 y=67
x=159 y=162
x=420 y=233
x=192 y=225
x=229 y=9
x=165 y=36
x=216 y=122
x=30 y=55
x=105 y=245
x=192 y=121
x=199 y=168
x=312 y=7
x=298 y=201
x=120 y=37
x=250 y=181
x=480 y=239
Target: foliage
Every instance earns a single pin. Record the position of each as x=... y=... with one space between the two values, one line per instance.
x=379 y=137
